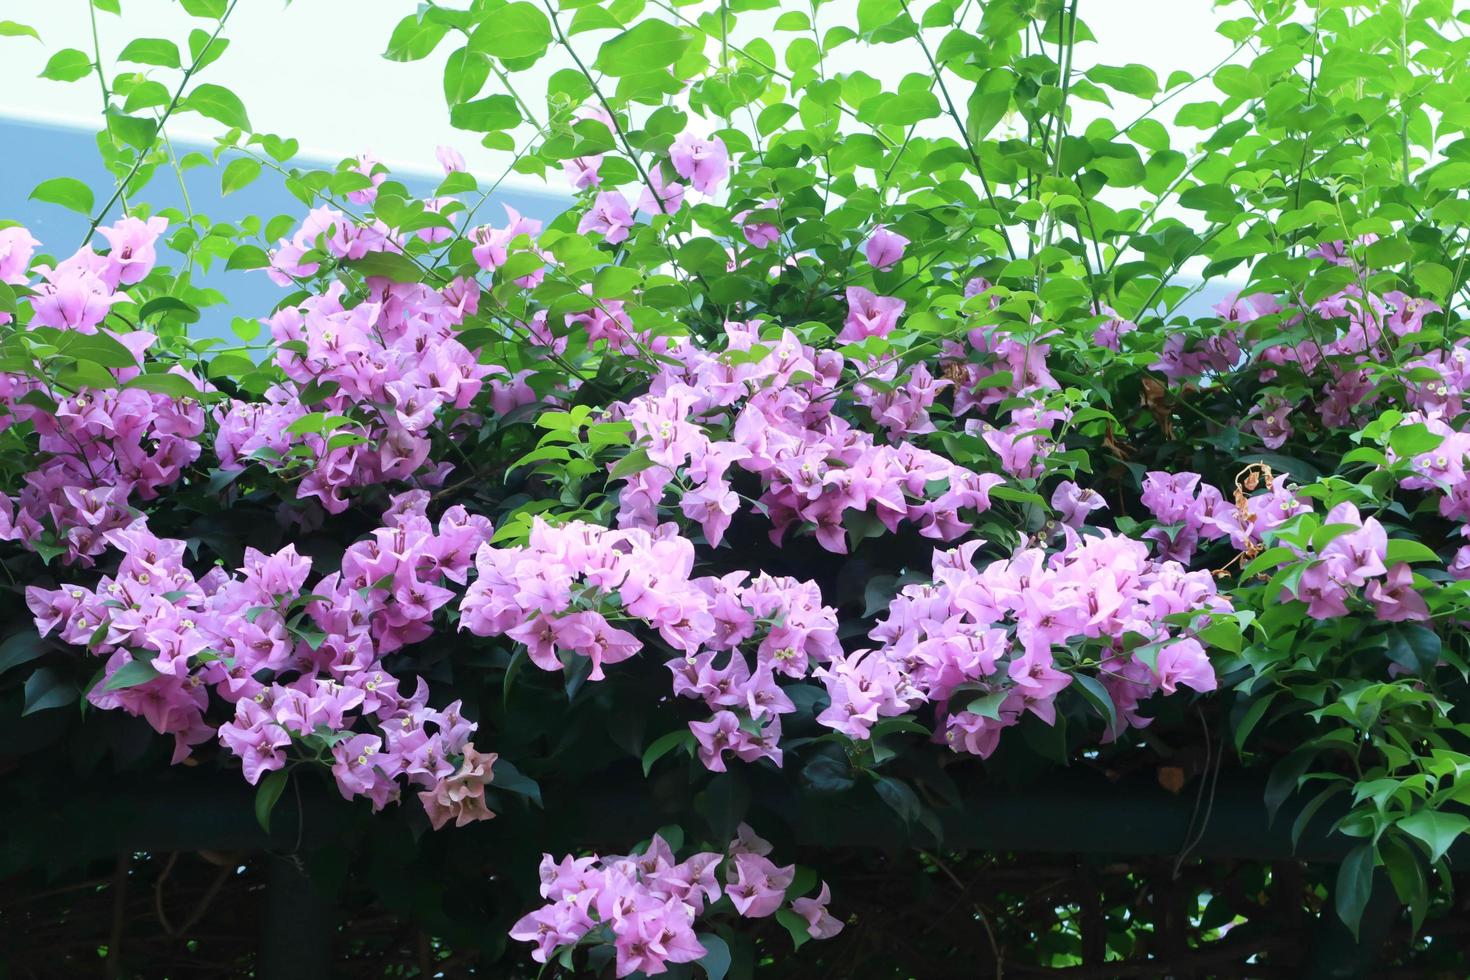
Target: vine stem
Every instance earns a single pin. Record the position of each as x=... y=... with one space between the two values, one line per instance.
x=101 y=78
x=955 y=115
x=97 y=60
x=162 y=120
x=617 y=127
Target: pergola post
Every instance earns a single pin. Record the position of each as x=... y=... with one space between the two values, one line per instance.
x=298 y=924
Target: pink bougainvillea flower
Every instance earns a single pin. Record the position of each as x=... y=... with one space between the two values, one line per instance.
x=582 y=172
x=370 y=167
x=819 y=922
x=450 y=159
x=1395 y=599
x=670 y=193
x=461 y=797
x=885 y=248
x=704 y=163
x=760 y=232
x=16 y=247
x=609 y=216
x=756 y=886
x=869 y=315
x=132 y=254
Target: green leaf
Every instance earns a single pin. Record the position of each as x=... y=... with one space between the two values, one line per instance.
x=716 y=958
x=1437 y=830
x=217 y=103
x=615 y=281
x=1413 y=439
x=1138 y=80
x=9 y=28
x=635 y=462
x=1406 y=872
x=465 y=73
x=1223 y=634
x=510 y=779
x=205 y=48
x=1239 y=82
x=663 y=745
x=213 y=9
x=1096 y=695
x=86 y=374
x=1415 y=648
x=248 y=256
x=67 y=65
x=900 y=797
x=875 y=15
x=649 y=46
x=97 y=348
x=388 y=265
x=795 y=925
x=1251 y=718
x=1449 y=176
x=516 y=30
x=131 y=675
x=900 y=109
x=1199 y=115
x=316 y=423
x=1284 y=777
x=269 y=790
x=68 y=192
x=988 y=103
x=414 y=39
x=724 y=803
x=1409 y=550
x=47 y=689
x=136 y=131
x=1308 y=812
x=239 y=173
x=593 y=18
x=490 y=114
x=147 y=95
x=1017 y=496
x=164 y=305
x=1354 y=886
x=21 y=648
x=1433 y=279
x=151 y=51
x=1269 y=560
x=174 y=385
x=988 y=706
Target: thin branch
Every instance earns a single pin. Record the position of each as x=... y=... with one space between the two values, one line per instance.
x=163 y=119
x=964 y=132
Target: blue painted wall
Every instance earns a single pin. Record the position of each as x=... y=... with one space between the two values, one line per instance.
x=31 y=153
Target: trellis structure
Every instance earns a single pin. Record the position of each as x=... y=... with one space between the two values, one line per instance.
x=175 y=873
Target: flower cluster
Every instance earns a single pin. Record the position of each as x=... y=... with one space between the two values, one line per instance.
x=102 y=443
x=703 y=163
x=1188 y=510
x=773 y=397
x=380 y=374
x=561 y=593
x=790 y=631
x=645 y=905
x=296 y=665
x=987 y=644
